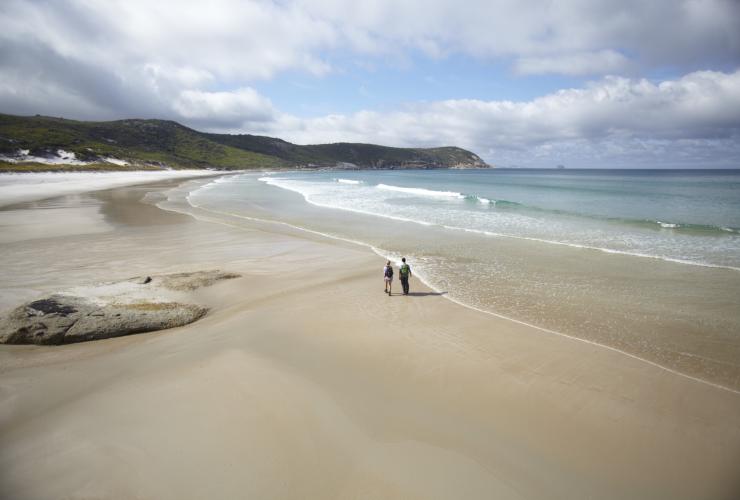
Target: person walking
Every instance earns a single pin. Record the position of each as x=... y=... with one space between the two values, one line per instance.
x=404 y=273
x=388 y=277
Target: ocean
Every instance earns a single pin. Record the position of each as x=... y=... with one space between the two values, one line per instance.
x=643 y=261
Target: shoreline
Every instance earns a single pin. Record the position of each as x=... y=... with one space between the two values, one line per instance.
x=386 y=256
x=351 y=393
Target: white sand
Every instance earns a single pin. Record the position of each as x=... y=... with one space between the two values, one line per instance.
x=21 y=187
x=306 y=381
x=59 y=157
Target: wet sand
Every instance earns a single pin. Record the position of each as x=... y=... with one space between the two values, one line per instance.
x=306 y=381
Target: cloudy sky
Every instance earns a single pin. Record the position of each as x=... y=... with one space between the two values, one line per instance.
x=585 y=83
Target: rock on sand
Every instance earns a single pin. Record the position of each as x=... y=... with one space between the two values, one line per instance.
x=65 y=318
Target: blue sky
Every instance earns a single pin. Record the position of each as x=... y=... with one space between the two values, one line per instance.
x=380 y=86
x=530 y=82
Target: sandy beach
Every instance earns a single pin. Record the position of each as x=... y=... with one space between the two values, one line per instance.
x=306 y=381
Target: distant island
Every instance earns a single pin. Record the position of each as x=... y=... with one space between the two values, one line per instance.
x=42 y=143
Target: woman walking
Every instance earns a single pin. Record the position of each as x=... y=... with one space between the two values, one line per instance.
x=388 y=277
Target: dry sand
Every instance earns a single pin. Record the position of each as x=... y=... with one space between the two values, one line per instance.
x=306 y=381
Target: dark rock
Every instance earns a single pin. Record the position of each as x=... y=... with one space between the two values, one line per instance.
x=63 y=319
x=51 y=306
x=43 y=321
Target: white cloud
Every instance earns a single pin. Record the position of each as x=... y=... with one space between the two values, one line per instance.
x=137 y=57
x=226 y=109
x=694 y=118
x=230 y=39
x=685 y=33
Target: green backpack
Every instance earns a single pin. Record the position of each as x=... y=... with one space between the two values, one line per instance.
x=404 y=270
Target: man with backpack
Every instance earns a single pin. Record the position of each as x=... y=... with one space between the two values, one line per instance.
x=404 y=273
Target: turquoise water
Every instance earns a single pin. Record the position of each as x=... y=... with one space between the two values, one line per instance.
x=688 y=216
x=647 y=262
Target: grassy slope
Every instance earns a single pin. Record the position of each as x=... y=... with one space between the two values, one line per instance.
x=139 y=141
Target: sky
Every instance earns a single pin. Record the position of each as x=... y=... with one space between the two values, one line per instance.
x=528 y=83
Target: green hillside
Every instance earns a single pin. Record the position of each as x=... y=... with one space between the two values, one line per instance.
x=362 y=155
x=140 y=142
x=161 y=143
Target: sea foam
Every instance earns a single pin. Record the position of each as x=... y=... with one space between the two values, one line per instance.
x=421 y=191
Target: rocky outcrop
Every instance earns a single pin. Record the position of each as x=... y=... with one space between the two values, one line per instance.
x=65 y=319
x=138 y=307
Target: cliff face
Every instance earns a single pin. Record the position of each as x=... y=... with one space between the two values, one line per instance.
x=141 y=143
